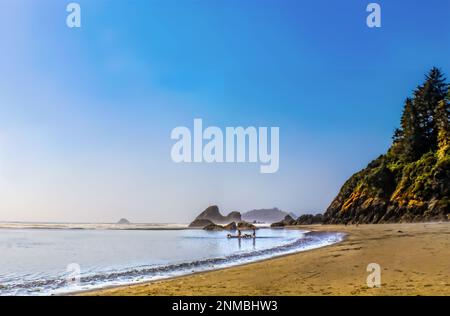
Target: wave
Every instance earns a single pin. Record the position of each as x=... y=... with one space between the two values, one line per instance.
x=92 y=226
x=310 y=240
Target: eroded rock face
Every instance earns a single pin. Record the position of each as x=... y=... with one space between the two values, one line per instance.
x=233 y=217
x=287 y=221
x=389 y=191
x=213 y=227
x=246 y=226
x=231 y=226
x=212 y=214
x=200 y=223
x=309 y=219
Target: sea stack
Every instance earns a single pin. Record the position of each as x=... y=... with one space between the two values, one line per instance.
x=212 y=214
x=123 y=221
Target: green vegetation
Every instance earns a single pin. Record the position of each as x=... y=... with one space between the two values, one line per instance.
x=411 y=181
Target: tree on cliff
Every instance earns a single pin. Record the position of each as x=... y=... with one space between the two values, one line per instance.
x=443 y=127
x=426 y=100
x=407 y=139
x=411 y=182
x=418 y=133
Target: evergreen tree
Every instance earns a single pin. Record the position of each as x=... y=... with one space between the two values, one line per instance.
x=443 y=127
x=407 y=139
x=426 y=100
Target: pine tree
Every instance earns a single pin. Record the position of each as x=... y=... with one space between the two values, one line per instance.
x=407 y=139
x=443 y=127
x=426 y=100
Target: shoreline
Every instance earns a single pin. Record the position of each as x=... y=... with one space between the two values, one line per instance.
x=113 y=287
x=242 y=264
x=414 y=260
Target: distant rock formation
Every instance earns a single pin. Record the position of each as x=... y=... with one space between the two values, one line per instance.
x=200 y=223
x=212 y=214
x=309 y=219
x=230 y=226
x=246 y=226
x=287 y=221
x=233 y=217
x=293 y=215
x=123 y=221
x=270 y=215
x=213 y=227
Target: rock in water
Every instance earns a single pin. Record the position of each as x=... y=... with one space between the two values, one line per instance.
x=200 y=223
x=231 y=226
x=212 y=214
x=287 y=221
x=246 y=226
x=123 y=221
x=213 y=227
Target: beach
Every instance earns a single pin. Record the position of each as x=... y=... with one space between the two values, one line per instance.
x=414 y=260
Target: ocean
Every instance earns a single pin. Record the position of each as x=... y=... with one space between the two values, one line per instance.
x=42 y=259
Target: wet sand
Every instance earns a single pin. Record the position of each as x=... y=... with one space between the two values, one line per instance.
x=414 y=260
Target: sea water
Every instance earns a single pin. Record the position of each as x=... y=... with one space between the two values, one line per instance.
x=40 y=261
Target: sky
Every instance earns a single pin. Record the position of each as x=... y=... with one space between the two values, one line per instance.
x=86 y=113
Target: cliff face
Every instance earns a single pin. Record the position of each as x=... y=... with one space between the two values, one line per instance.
x=389 y=191
x=411 y=182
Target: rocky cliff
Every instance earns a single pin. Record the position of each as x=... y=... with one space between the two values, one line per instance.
x=386 y=192
x=411 y=182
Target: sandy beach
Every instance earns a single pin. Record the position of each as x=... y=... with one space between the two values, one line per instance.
x=414 y=260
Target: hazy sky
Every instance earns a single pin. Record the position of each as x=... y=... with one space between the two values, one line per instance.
x=86 y=114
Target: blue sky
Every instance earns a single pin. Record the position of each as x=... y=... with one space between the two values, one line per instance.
x=86 y=114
